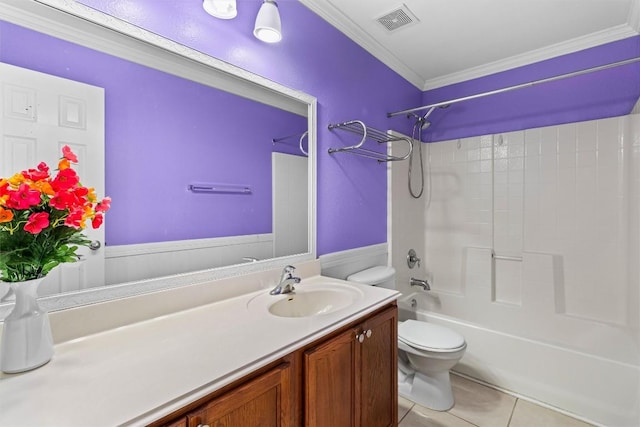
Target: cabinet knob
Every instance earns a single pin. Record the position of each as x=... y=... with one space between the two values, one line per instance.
x=203 y=425
x=368 y=333
x=360 y=337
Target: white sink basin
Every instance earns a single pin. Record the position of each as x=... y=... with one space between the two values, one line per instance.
x=311 y=303
x=312 y=300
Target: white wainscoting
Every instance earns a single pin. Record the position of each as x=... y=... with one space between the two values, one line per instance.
x=128 y=263
x=344 y=263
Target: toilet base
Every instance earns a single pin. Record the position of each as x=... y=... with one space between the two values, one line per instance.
x=433 y=392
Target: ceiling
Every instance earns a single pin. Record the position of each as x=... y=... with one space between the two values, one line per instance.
x=449 y=41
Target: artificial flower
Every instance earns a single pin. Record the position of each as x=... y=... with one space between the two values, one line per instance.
x=37 y=222
x=65 y=179
x=69 y=155
x=6 y=215
x=96 y=222
x=17 y=179
x=42 y=218
x=23 y=198
x=64 y=164
x=74 y=219
x=42 y=172
x=104 y=205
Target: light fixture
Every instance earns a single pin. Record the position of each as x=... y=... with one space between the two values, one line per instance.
x=223 y=9
x=268 y=27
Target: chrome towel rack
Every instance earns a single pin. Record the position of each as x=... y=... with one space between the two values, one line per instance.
x=358 y=127
x=299 y=137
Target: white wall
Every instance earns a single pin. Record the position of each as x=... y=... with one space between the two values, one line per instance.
x=289 y=177
x=558 y=319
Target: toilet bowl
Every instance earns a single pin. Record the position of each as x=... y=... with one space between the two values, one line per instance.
x=426 y=352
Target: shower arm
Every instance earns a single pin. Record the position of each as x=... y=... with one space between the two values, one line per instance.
x=430 y=107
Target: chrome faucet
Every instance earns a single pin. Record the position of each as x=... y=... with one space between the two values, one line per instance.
x=422 y=283
x=287 y=280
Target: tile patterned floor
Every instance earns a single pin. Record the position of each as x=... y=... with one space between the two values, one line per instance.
x=480 y=406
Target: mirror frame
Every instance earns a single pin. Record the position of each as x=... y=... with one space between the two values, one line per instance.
x=77 y=23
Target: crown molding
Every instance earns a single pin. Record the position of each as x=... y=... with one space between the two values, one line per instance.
x=580 y=43
x=327 y=11
x=634 y=15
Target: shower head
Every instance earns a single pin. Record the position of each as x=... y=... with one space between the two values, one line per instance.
x=420 y=121
x=424 y=123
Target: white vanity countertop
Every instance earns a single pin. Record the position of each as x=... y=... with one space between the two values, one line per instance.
x=136 y=374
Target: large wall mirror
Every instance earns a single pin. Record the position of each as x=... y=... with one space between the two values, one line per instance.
x=211 y=168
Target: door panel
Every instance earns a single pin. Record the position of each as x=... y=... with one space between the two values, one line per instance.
x=40 y=114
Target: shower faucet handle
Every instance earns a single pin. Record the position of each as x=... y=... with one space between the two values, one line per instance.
x=412 y=259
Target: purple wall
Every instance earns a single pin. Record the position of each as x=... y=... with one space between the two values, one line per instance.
x=351 y=84
x=600 y=94
x=163 y=133
x=313 y=57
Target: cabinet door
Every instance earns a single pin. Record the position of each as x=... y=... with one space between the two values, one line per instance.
x=182 y=422
x=330 y=376
x=378 y=388
x=264 y=401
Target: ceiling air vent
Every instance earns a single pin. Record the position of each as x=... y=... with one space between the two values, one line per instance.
x=398 y=18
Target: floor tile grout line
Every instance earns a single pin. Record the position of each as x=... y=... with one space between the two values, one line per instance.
x=528 y=399
x=513 y=410
x=406 y=413
x=465 y=420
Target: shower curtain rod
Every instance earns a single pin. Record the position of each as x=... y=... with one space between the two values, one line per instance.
x=510 y=88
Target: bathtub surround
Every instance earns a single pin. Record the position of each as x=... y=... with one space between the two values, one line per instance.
x=531 y=244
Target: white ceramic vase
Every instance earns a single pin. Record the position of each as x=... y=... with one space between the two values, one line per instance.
x=26 y=334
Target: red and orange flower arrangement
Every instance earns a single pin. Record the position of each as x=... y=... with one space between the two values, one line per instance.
x=42 y=218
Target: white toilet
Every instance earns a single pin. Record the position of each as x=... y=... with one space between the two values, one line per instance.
x=426 y=352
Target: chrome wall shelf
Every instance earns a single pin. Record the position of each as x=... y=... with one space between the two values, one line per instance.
x=358 y=127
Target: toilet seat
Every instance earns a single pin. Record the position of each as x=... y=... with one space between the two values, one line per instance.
x=429 y=337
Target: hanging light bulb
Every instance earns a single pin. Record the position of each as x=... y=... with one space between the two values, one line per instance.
x=268 y=27
x=223 y=9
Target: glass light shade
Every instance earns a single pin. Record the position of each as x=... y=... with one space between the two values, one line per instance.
x=268 y=27
x=223 y=9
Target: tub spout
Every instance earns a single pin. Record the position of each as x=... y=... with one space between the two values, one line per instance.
x=422 y=283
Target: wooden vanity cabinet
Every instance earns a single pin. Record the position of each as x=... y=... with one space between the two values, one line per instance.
x=264 y=401
x=350 y=380
x=182 y=422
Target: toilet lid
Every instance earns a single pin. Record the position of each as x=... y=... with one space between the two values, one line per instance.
x=427 y=336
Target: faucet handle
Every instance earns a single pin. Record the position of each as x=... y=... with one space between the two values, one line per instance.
x=288 y=270
x=412 y=259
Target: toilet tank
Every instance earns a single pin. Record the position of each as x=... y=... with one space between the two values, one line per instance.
x=382 y=275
